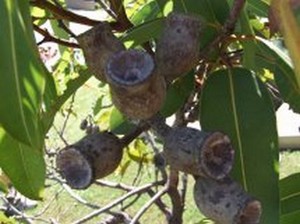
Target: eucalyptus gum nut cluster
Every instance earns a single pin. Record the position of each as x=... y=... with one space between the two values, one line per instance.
x=137 y=90
x=94 y=156
x=98 y=45
x=208 y=154
x=178 y=48
x=226 y=202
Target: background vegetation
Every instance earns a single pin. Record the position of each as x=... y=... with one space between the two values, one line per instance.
x=247 y=67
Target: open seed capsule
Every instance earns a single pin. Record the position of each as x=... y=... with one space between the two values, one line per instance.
x=199 y=153
x=226 y=202
x=178 y=48
x=98 y=44
x=137 y=90
x=94 y=156
x=196 y=152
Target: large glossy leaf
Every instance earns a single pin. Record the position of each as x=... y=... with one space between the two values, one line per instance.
x=118 y=124
x=248 y=46
x=177 y=94
x=290 y=30
x=291 y=218
x=22 y=75
x=259 y=7
x=237 y=103
x=23 y=164
x=143 y=33
x=290 y=194
x=275 y=59
x=148 y=12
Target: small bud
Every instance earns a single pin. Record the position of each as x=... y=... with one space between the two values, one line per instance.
x=137 y=90
x=178 y=48
x=94 y=156
x=98 y=44
x=226 y=202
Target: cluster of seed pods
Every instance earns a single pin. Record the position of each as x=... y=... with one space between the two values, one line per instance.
x=138 y=84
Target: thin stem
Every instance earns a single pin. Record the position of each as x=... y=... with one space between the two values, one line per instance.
x=129 y=137
x=114 y=203
x=173 y=192
x=148 y=204
x=49 y=38
x=63 y=14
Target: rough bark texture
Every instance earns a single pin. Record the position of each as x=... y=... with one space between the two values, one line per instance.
x=225 y=202
x=137 y=90
x=178 y=48
x=98 y=45
x=95 y=156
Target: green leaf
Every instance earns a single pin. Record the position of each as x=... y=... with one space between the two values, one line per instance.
x=24 y=166
x=289 y=28
x=248 y=46
x=177 y=94
x=60 y=33
x=259 y=7
x=142 y=33
x=291 y=218
x=6 y=220
x=290 y=194
x=212 y=10
x=118 y=123
x=237 y=103
x=277 y=61
x=22 y=77
x=58 y=102
x=148 y=12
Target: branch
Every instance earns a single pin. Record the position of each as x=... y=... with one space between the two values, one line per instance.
x=119 y=186
x=63 y=14
x=129 y=137
x=119 y=10
x=127 y=188
x=177 y=209
x=228 y=27
x=138 y=190
x=49 y=38
x=148 y=204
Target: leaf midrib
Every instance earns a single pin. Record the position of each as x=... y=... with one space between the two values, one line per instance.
x=237 y=129
x=16 y=75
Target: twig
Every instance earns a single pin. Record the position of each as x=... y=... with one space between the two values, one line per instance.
x=148 y=204
x=49 y=38
x=45 y=208
x=138 y=190
x=107 y=9
x=78 y=198
x=63 y=14
x=161 y=205
x=128 y=138
x=68 y=115
x=235 y=11
x=173 y=192
x=118 y=8
x=119 y=186
x=184 y=180
x=23 y=216
x=62 y=25
x=127 y=188
x=227 y=29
